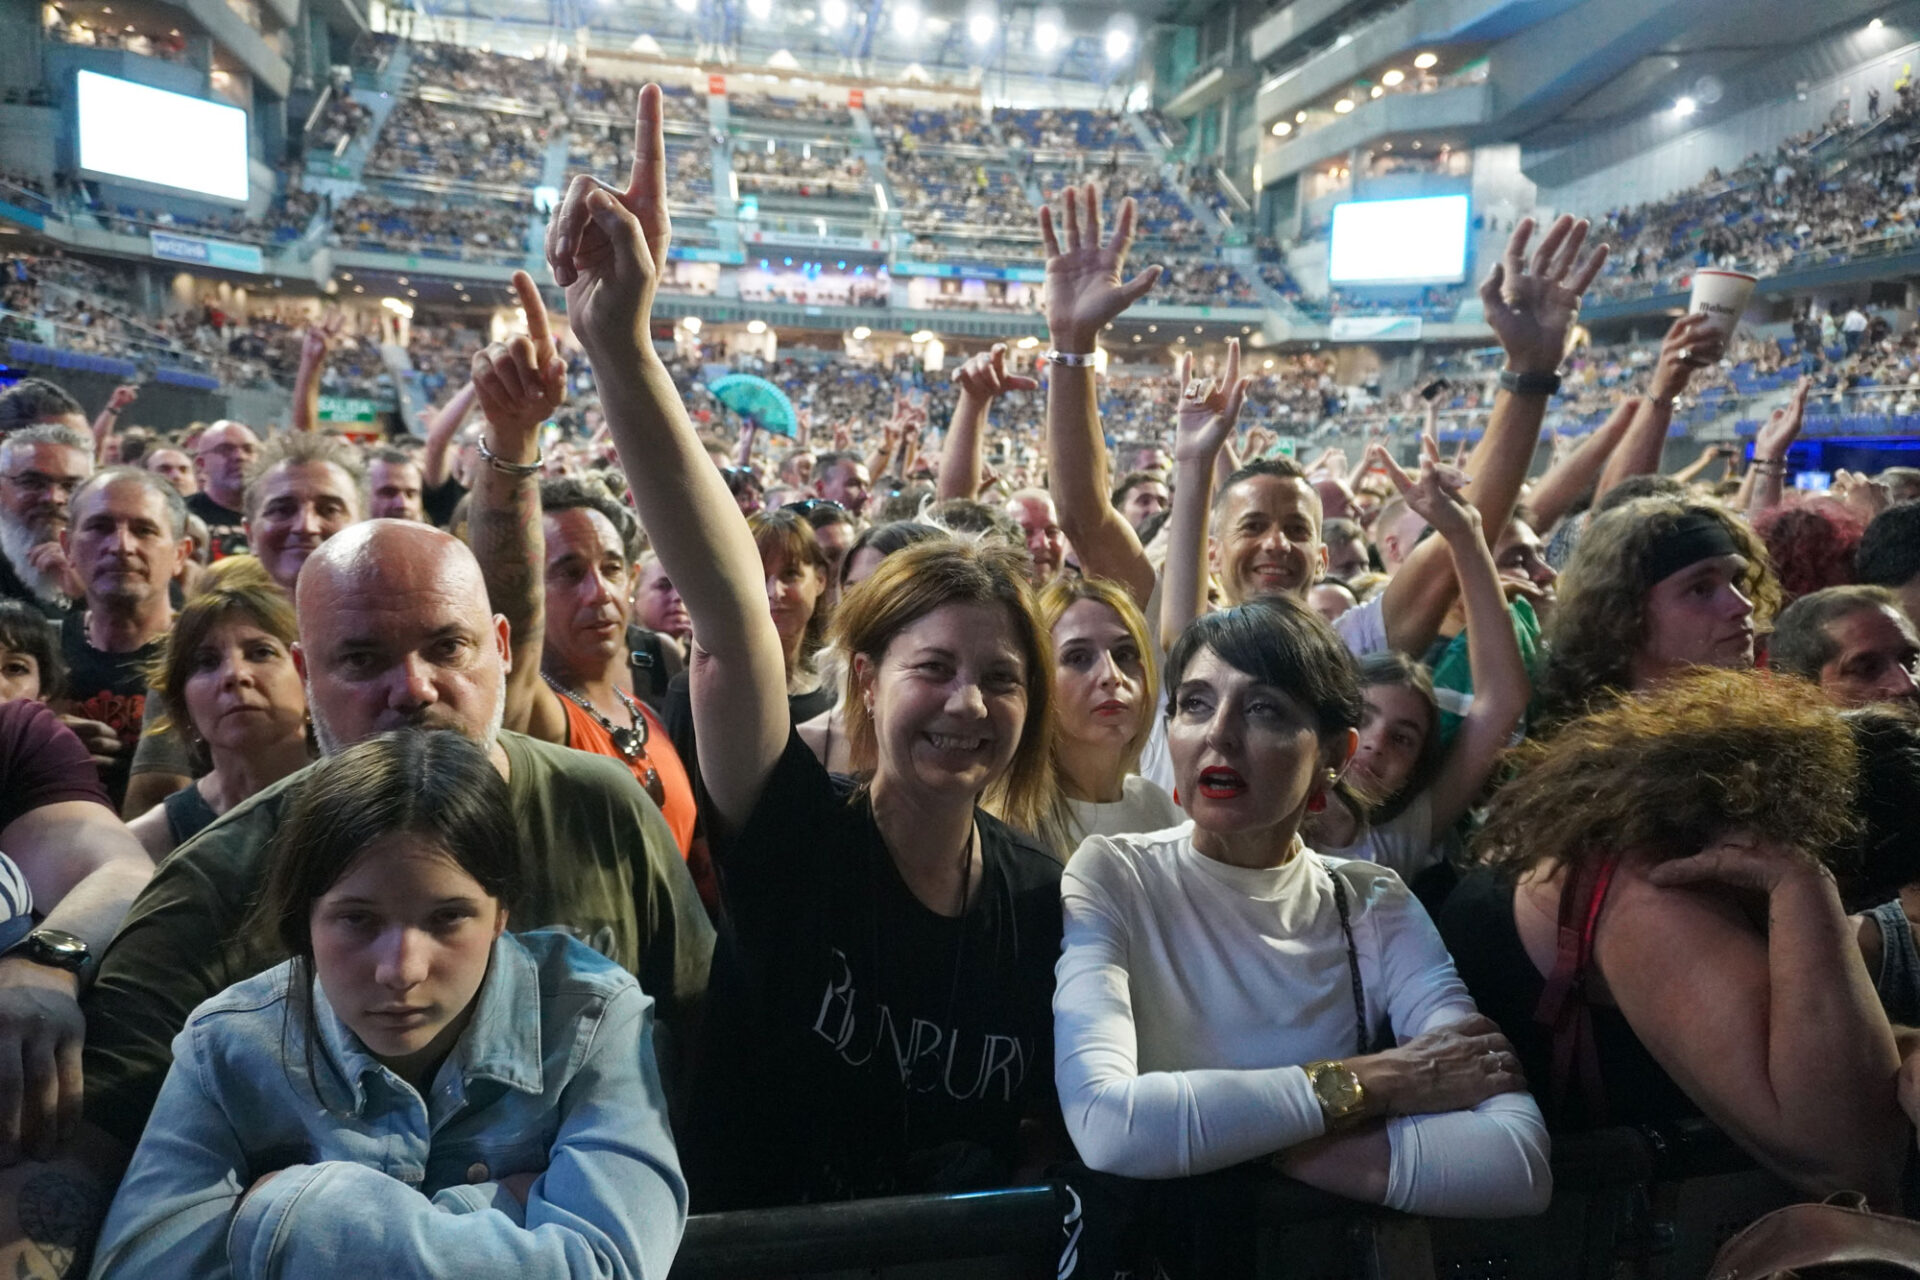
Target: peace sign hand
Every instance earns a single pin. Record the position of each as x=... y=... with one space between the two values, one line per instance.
x=1084 y=290
x=1435 y=495
x=607 y=245
x=520 y=383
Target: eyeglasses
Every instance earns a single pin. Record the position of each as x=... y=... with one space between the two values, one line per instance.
x=39 y=482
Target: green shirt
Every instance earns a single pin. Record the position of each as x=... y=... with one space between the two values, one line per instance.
x=1453 y=671
x=603 y=866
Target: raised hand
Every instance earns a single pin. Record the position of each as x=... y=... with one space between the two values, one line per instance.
x=608 y=245
x=1435 y=495
x=985 y=376
x=1208 y=409
x=1691 y=345
x=320 y=337
x=520 y=383
x=1864 y=496
x=1084 y=289
x=122 y=397
x=1531 y=309
x=1783 y=426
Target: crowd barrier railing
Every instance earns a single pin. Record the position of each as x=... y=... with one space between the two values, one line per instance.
x=1653 y=1204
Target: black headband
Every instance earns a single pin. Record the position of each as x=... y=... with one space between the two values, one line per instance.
x=1696 y=536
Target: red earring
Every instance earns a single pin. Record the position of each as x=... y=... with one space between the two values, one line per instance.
x=1317 y=802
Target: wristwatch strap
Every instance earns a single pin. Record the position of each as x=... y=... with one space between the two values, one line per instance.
x=1529 y=384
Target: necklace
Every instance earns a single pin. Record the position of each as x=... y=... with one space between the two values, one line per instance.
x=630 y=742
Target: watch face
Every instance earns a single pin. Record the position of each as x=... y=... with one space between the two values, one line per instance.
x=1337 y=1087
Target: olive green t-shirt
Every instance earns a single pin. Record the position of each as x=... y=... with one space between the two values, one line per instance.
x=602 y=864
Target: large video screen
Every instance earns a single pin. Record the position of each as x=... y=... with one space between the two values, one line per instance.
x=1418 y=241
x=143 y=134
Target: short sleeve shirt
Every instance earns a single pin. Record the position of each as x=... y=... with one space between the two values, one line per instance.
x=42 y=762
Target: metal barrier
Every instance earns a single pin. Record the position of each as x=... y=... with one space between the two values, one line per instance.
x=1655 y=1204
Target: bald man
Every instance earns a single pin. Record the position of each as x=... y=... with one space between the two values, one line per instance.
x=395 y=632
x=221 y=457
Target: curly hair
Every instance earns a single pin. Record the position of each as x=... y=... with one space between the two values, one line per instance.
x=1600 y=620
x=1812 y=544
x=1666 y=771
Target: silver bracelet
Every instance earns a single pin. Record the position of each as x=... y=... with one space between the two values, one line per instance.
x=1071 y=359
x=501 y=465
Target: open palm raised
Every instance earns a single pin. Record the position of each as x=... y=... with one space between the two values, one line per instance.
x=1084 y=289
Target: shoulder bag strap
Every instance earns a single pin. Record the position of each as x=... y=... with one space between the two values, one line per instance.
x=1563 y=1007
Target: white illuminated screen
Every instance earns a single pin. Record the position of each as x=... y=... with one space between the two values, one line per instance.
x=133 y=131
x=1420 y=241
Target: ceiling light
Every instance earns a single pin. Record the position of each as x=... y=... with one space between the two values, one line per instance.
x=756 y=326
x=1281 y=128
x=1875 y=25
x=761 y=10
x=981 y=26
x=346 y=275
x=1046 y=36
x=1426 y=60
x=1393 y=77
x=861 y=333
x=1300 y=117
x=906 y=20
x=691 y=324
x=398 y=307
x=834 y=13
x=1684 y=107
x=1343 y=106
x=1119 y=43
x=686 y=6
x=1375 y=92
x=1027 y=343
x=921 y=335
x=402 y=279
x=1267 y=363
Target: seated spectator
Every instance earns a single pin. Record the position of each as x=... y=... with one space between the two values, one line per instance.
x=1854 y=642
x=1688 y=827
x=229 y=690
x=395 y=632
x=906 y=899
x=1106 y=688
x=1171 y=1066
x=403 y=1009
x=1889 y=555
x=1655 y=586
x=31 y=668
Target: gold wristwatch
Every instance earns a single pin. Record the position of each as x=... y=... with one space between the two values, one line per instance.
x=1338 y=1090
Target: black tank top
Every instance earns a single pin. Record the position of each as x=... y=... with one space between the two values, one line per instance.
x=188 y=813
x=1478 y=927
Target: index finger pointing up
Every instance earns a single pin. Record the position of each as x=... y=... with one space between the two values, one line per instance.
x=536 y=309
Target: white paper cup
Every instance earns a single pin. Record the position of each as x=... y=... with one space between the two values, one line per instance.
x=1723 y=295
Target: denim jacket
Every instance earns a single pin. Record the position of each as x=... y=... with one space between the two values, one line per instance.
x=555 y=1072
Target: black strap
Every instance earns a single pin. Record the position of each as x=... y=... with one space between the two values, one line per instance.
x=644 y=658
x=1353 y=963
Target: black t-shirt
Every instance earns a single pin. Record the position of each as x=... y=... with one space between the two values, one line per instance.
x=439 y=500
x=13 y=587
x=111 y=688
x=1477 y=925
x=677 y=715
x=857 y=1043
x=223 y=525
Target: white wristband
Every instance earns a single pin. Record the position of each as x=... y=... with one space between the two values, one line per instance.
x=1071 y=359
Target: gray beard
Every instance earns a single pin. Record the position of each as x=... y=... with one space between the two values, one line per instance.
x=331 y=744
x=17 y=538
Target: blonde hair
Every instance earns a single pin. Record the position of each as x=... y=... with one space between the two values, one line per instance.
x=913 y=582
x=1056 y=598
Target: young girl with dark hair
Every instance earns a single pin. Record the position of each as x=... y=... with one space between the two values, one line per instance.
x=416 y=1091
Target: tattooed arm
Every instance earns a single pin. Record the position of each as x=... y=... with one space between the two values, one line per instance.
x=519 y=384
x=51 y=1211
